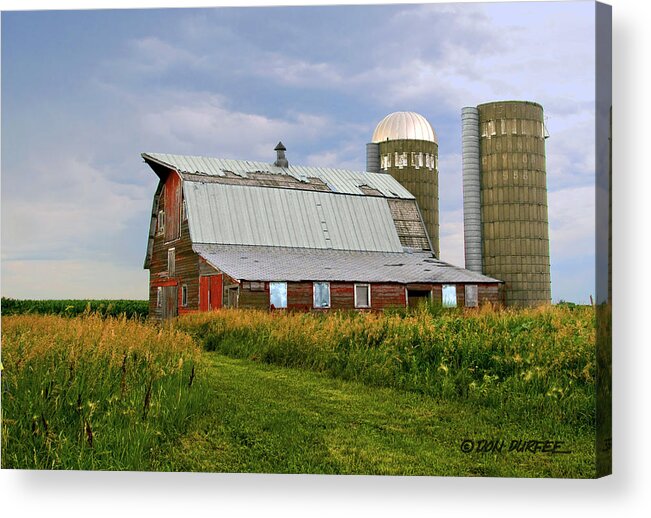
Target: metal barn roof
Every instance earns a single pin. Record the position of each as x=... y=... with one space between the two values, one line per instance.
x=261 y=263
x=338 y=180
x=263 y=216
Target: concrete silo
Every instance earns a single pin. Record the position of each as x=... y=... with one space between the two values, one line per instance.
x=404 y=144
x=505 y=198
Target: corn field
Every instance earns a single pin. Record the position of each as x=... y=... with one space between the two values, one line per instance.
x=70 y=308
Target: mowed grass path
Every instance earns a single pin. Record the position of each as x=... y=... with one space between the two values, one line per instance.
x=268 y=419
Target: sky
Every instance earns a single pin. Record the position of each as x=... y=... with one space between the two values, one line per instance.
x=85 y=92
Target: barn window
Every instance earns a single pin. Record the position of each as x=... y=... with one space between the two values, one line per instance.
x=159 y=297
x=171 y=261
x=471 y=296
x=449 y=296
x=321 y=292
x=161 y=221
x=278 y=295
x=184 y=295
x=362 y=295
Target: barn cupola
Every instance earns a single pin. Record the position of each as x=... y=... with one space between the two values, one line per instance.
x=281 y=161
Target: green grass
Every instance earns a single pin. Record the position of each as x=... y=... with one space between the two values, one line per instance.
x=94 y=393
x=267 y=419
x=301 y=393
x=534 y=364
x=138 y=309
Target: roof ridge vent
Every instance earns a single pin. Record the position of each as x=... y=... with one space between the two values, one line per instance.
x=281 y=161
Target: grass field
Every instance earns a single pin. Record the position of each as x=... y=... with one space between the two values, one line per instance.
x=536 y=364
x=92 y=392
x=268 y=419
x=302 y=393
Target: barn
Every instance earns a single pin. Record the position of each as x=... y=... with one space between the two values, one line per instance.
x=238 y=233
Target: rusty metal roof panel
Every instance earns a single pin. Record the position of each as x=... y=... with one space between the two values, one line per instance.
x=339 y=180
x=262 y=263
x=248 y=215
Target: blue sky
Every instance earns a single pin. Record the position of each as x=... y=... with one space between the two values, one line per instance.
x=85 y=92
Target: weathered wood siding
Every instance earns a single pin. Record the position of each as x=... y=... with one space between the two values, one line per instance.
x=385 y=296
x=409 y=225
x=186 y=270
x=172 y=202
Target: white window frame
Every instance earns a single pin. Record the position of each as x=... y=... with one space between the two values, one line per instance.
x=286 y=297
x=184 y=295
x=159 y=297
x=314 y=295
x=456 y=302
x=368 y=288
x=171 y=261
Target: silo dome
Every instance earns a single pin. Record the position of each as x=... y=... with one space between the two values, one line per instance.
x=404 y=126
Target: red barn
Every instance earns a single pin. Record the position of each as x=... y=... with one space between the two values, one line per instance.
x=236 y=233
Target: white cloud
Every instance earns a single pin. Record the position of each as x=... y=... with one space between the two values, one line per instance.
x=201 y=122
x=61 y=213
x=572 y=223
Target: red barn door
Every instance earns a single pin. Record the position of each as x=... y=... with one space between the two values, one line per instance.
x=210 y=292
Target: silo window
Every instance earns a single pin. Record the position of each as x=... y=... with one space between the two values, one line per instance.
x=449 y=296
x=400 y=160
x=277 y=295
x=386 y=161
x=321 y=292
x=362 y=295
x=429 y=161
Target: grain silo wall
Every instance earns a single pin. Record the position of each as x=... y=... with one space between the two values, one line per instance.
x=373 y=157
x=414 y=163
x=471 y=188
x=515 y=230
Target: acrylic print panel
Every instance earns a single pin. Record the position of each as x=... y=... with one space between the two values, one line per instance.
x=458 y=154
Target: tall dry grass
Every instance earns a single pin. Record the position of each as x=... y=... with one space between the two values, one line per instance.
x=92 y=392
x=526 y=363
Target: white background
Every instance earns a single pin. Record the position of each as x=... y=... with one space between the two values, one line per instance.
x=627 y=492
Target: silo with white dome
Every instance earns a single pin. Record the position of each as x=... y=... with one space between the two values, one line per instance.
x=405 y=145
